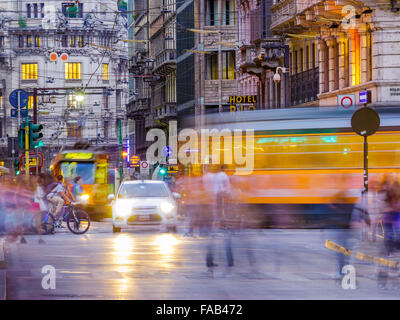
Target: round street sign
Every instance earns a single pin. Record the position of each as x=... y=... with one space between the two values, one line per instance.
x=167 y=151
x=365 y=121
x=64 y=57
x=346 y=102
x=19 y=98
x=144 y=164
x=53 y=57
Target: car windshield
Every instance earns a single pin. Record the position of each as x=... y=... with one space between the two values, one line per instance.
x=84 y=169
x=143 y=190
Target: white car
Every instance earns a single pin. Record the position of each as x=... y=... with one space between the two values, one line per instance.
x=144 y=202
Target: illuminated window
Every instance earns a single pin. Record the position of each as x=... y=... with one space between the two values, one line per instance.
x=105 y=71
x=212 y=67
x=30 y=102
x=29 y=41
x=228 y=65
x=80 y=42
x=73 y=71
x=37 y=41
x=29 y=71
x=355 y=58
x=72 y=41
x=1 y=101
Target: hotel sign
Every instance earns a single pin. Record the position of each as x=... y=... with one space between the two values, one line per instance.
x=242 y=103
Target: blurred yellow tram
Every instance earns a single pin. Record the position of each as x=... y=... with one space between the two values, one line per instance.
x=92 y=166
x=303 y=158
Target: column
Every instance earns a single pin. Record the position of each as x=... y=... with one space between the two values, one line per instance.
x=331 y=43
x=365 y=54
x=342 y=53
x=271 y=93
x=323 y=71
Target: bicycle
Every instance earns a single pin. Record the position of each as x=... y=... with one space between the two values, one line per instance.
x=78 y=221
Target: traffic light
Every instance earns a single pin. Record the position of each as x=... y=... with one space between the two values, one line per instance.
x=21 y=136
x=124 y=154
x=35 y=135
x=163 y=171
x=16 y=166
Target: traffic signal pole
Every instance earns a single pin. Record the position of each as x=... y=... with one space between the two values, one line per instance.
x=120 y=149
x=35 y=98
x=27 y=148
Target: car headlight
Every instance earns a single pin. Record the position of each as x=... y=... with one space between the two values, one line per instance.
x=84 y=197
x=122 y=208
x=166 y=207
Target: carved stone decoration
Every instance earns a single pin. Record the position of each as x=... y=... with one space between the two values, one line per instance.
x=4 y=19
x=54 y=19
x=121 y=28
x=92 y=21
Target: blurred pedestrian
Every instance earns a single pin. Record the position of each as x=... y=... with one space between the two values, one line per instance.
x=23 y=197
x=375 y=206
x=346 y=221
x=40 y=199
x=77 y=188
x=216 y=183
x=390 y=218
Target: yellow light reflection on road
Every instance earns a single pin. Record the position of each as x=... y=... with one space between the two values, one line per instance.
x=123 y=246
x=166 y=244
x=122 y=249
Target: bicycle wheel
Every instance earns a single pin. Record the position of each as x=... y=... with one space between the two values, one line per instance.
x=47 y=223
x=80 y=223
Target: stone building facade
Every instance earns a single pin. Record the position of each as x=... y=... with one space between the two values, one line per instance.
x=340 y=47
x=90 y=35
x=215 y=55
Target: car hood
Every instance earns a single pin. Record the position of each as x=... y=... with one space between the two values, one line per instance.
x=146 y=202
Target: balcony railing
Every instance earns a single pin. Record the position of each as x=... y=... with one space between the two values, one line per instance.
x=138 y=107
x=167 y=111
x=165 y=61
x=304 y=86
x=283 y=11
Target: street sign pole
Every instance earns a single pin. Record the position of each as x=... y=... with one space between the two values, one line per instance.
x=18 y=110
x=365 y=122
x=365 y=164
x=120 y=149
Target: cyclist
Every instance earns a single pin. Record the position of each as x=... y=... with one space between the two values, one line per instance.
x=57 y=195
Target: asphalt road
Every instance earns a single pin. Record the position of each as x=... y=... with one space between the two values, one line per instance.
x=147 y=264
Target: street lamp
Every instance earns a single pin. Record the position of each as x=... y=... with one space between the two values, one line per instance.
x=277 y=76
x=79 y=97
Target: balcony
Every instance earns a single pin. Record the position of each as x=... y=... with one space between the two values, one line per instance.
x=296 y=16
x=304 y=86
x=138 y=108
x=138 y=62
x=149 y=122
x=165 y=62
x=166 y=112
x=283 y=13
x=247 y=64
